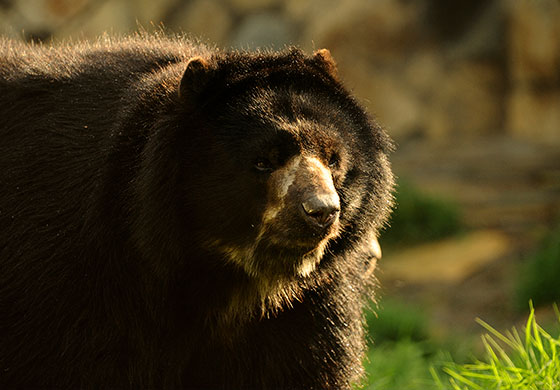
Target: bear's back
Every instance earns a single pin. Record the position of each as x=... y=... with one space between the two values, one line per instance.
x=109 y=57
x=62 y=108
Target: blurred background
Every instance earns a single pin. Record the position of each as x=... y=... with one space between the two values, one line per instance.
x=469 y=90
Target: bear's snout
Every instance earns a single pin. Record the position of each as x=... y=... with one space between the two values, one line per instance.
x=303 y=207
x=321 y=210
x=316 y=196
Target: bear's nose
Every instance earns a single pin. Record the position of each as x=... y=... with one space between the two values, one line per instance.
x=322 y=209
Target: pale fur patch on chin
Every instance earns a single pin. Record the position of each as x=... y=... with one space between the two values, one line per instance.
x=263 y=299
x=265 y=295
x=237 y=256
x=311 y=260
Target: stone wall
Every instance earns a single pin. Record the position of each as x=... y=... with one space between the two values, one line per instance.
x=429 y=69
x=534 y=62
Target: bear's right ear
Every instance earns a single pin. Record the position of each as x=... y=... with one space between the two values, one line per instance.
x=325 y=60
x=195 y=79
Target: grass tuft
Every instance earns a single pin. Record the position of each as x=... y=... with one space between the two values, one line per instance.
x=394 y=321
x=514 y=361
x=401 y=365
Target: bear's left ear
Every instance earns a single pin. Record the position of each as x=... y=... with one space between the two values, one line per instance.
x=324 y=59
x=195 y=79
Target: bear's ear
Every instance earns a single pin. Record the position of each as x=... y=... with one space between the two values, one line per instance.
x=195 y=79
x=324 y=59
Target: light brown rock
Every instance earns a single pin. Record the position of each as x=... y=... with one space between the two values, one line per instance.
x=534 y=115
x=113 y=17
x=206 y=19
x=468 y=100
x=534 y=37
x=374 y=30
x=449 y=261
x=252 y=5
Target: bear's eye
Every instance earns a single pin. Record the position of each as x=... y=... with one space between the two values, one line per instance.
x=333 y=161
x=263 y=165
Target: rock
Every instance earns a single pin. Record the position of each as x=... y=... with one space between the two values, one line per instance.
x=264 y=30
x=467 y=100
x=65 y=9
x=9 y=23
x=206 y=19
x=370 y=42
x=422 y=70
x=484 y=37
x=429 y=97
x=533 y=105
x=309 y=10
x=497 y=181
x=534 y=115
x=150 y=12
x=30 y=19
x=449 y=261
x=534 y=37
x=248 y=6
x=112 y=17
x=384 y=95
x=378 y=31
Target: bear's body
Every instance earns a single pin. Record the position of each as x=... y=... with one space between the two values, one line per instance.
x=176 y=217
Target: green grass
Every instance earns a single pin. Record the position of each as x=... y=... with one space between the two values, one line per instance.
x=529 y=360
x=403 y=357
x=539 y=278
x=399 y=355
x=398 y=366
x=515 y=360
x=393 y=321
x=419 y=217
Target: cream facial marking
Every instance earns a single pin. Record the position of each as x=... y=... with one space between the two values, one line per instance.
x=288 y=177
x=280 y=183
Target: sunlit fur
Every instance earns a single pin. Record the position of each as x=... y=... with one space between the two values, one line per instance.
x=140 y=246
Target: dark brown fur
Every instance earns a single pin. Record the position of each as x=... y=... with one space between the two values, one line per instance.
x=127 y=189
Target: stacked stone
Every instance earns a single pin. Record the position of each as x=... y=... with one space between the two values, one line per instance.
x=534 y=63
x=424 y=68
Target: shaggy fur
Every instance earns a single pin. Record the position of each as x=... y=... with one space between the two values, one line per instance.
x=141 y=243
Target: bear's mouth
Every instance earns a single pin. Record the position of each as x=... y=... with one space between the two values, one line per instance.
x=300 y=245
x=277 y=256
x=283 y=261
x=287 y=246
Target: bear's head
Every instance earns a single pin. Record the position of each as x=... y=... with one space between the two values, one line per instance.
x=284 y=168
x=261 y=165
